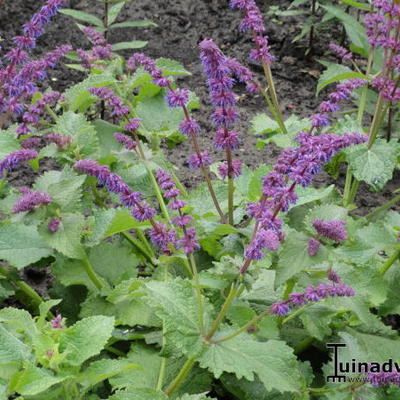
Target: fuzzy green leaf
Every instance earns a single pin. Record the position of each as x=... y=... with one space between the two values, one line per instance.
x=375 y=165
x=85 y=339
x=171 y=67
x=34 y=380
x=294 y=257
x=133 y=24
x=8 y=143
x=67 y=239
x=273 y=362
x=22 y=245
x=82 y=132
x=135 y=44
x=139 y=394
x=82 y=16
x=12 y=349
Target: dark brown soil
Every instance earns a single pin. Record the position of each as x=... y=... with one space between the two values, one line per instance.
x=182 y=24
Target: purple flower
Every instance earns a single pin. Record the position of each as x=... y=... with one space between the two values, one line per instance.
x=280 y=308
x=226 y=139
x=298 y=299
x=161 y=236
x=143 y=212
x=313 y=247
x=96 y=37
x=333 y=276
x=189 y=127
x=112 y=101
x=188 y=242
x=264 y=239
x=334 y=230
x=182 y=221
x=14 y=159
x=125 y=140
x=223 y=169
x=31 y=142
x=340 y=51
x=199 y=160
x=30 y=200
x=225 y=117
x=177 y=97
x=56 y=322
x=383 y=378
x=61 y=141
x=133 y=125
x=54 y=224
x=164 y=180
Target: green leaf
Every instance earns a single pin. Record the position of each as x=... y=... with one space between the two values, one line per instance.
x=147 y=376
x=65 y=188
x=12 y=349
x=8 y=143
x=332 y=71
x=135 y=44
x=20 y=319
x=262 y=123
x=78 y=97
x=133 y=24
x=67 y=239
x=157 y=116
x=171 y=67
x=83 y=16
x=85 y=339
x=375 y=165
x=338 y=78
x=114 y=11
x=113 y=261
x=139 y=394
x=354 y=29
x=34 y=380
x=357 y=4
x=22 y=245
x=273 y=362
x=176 y=304
x=294 y=257
x=82 y=132
x=101 y=370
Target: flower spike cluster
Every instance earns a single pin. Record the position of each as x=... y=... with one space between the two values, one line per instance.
x=310 y=295
x=189 y=241
x=343 y=92
x=16 y=158
x=334 y=230
x=253 y=22
x=30 y=200
x=295 y=166
x=114 y=102
x=61 y=141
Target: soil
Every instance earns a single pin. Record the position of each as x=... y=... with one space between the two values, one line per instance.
x=182 y=24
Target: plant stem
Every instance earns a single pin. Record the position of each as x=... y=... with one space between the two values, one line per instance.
x=347 y=187
x=91 y=273
x=51 y=113
x=23 y=287
x=231 y=186
x=221 y=315
x=274 y=97
x=143 y=246
x=375 y=122
x=389 y=262
x=294 y=314
x=200 y=306
x=303 y=345
x=179 y=379
x=383 y=207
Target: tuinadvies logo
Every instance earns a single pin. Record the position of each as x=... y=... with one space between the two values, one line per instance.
x=357 y=367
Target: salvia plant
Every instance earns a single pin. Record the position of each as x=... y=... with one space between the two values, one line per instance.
x=231 y=290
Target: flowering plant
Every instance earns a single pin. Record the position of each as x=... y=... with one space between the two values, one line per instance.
x=223 y=291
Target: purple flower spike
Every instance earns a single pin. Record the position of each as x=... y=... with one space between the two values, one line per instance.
x=56 y=322
x=333 y=276
x=133 y=125
x=177 y=97
x=189 y=126
x=341 y=52
x=280 y=308
x=236 y=169
x=14 y=159
x=189 y=242
x=199 y=160
x=54 y=224
x=30 y=200
x=125 y=140
x=313 y=247
x=334 y=230
x=61 y=141
x=161 y=236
